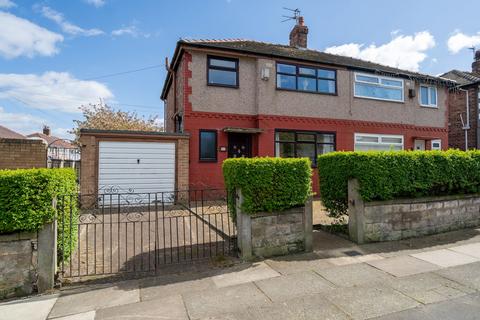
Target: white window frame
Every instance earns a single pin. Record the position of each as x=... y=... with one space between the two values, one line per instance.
x=380 y=139
x=439 y=141
x=429 y=105
x=379 y=84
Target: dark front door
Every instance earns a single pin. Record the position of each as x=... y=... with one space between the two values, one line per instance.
x=239 y=145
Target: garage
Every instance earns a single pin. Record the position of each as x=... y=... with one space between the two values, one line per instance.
x=136 y=167
x=121 y=161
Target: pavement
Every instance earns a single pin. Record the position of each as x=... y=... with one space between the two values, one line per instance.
x=435 y=277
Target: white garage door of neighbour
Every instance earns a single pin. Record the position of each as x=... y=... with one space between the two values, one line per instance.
x=136 y=167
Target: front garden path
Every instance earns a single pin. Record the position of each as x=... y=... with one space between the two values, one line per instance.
x=435 y=277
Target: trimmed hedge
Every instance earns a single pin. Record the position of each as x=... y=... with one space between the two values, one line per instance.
x=397 y=174
x=26 y=197
x=268 y=184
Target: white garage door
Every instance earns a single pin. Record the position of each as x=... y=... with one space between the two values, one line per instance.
x=139 y=167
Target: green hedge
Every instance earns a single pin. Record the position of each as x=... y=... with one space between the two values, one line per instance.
x=26 y=197
x=268 y=184
x=397 y=174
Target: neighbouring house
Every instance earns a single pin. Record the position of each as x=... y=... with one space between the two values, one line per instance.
x=19 y=152
x=242 y=98
x=464 y=107
x=60 y=152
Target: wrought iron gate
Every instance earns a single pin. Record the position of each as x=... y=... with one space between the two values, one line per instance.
x=117 y=232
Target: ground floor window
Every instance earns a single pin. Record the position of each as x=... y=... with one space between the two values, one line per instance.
x=299 y=144
x=208 y=145
x=378 y=142
x=437 y=144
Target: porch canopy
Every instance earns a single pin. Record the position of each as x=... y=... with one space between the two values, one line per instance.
x=242 y=130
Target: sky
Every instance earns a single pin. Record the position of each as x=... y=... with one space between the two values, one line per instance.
x=58 y=55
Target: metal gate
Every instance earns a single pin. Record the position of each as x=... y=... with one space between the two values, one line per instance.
x=118 y=232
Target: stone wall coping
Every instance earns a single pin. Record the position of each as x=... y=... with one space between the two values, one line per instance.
x=422 y=200
x=293 y=210
x=17 y=236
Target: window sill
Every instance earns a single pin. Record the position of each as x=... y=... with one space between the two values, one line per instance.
x=312 y=92
x=222 y=85
x=378 y=99
x=428 y=106
x=208 y=160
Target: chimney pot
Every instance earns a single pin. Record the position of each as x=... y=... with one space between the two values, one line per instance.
x=46 y=130
x=298 y=35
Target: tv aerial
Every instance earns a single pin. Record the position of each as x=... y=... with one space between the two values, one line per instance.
x=296 y=14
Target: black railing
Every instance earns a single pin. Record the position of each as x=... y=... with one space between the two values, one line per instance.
x=136 y=232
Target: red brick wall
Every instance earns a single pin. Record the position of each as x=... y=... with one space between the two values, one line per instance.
x=22 y=154
x=457 y=107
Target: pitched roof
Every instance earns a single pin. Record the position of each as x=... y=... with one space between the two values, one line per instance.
x=6 y=133
x=462 y=77
x=53 y=141
x=300 y=54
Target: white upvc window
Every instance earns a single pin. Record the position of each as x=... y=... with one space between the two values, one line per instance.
x=371 y=86
x=378 y=142
x=428 y=96
x=437 y=144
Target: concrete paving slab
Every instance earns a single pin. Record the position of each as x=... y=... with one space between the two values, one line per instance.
x=294 y=285
x=90 y=315
x=467 y=275
x=410 y=314
x=367 y=302
x=445 y=258
x=171 y=308
x=223 y=300
x=93 y=298
x=354 y=275
x=34 y=308
x=258 y=271
x=310 y=307
x=466 y=308
x=342 y=261
x=163 y=287
x=429 y=287
x=472 y=249
x=298 y=263
x=402 y=266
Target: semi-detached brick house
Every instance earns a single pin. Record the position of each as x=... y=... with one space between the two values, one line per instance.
x=464 y=118
x=248 y=98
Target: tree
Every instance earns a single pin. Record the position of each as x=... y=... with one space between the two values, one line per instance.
x=102 y=116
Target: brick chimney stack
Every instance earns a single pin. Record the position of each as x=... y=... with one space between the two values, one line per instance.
x=46 y=130
x=476 y=63
x=298 y=35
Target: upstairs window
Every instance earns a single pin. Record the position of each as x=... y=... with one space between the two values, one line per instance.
x=379 y=88
x=303 y=78
x=428 y=96
x=222 y=72
x=208 y=145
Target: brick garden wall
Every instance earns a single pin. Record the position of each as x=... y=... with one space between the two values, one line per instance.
x=457 y=105
x=22 y=154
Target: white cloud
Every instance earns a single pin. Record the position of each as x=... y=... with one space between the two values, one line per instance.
x=404 y=52
x=63 y=133
x=58 y=91
x=20 y=37
x=67 y=26
x=21 y=122
x=459 y=41
x=131 y=30
x=7 y=4
x=96 y=3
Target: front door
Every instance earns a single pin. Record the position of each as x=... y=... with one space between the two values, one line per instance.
x=419 y=145
x=239 y=145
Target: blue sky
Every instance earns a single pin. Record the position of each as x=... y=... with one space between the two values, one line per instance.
x=48 y=49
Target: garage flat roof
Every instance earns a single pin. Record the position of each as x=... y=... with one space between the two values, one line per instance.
x=132 y=132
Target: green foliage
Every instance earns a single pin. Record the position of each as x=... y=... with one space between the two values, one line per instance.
x=268 y=184
x=397 y=174
x=26 y=200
